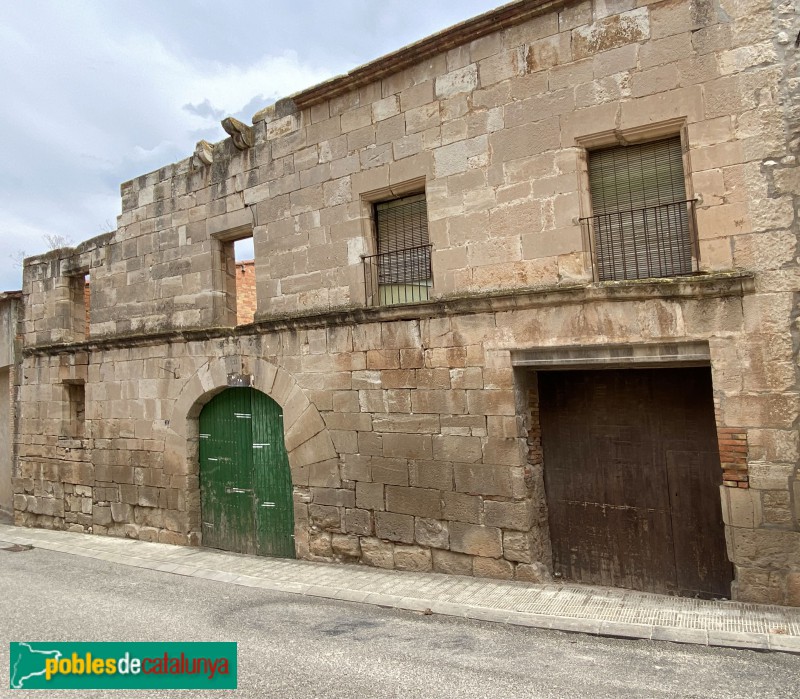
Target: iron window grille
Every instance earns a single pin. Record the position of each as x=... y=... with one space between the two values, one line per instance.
x=643 y=225
x=400 y=272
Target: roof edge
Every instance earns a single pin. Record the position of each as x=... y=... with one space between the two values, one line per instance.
x=461 y=33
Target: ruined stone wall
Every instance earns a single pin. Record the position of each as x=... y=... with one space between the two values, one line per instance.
x=9 y=358
x=494 y=131
x=411 y=446
x=6 y=452
x=55 y=291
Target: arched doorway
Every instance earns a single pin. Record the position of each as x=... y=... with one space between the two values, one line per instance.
x=245 y=481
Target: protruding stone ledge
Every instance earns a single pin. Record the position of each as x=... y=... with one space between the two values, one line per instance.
x=721 y=285
x=204 y=153
x=243 y=135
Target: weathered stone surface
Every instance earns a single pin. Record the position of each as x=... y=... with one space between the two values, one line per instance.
x=758 y=584
x=492 y=568
x=120 y=512
x=457 y=81
x=101 y=515
x=358 y=522
x=324 y=517
x=518 y=546
x=394 y=527
x=413 y=558
x=431 y=532
x=377 y=553
x=456 y=448
x=451 y=563
x=476 y=540
x=508 y=515
x=422 y=502
x=431 y=474
x=319 y=544
x=793 y=589
x=407 y=446
x=534 y=572
x=391 y=471
x=486 y=480
x=345 y=546
x=334 y=497
x=370 y=496
x=461 y=507
x=762 y=548
x=611 y=32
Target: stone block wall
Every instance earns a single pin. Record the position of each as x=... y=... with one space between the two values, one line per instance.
x=412 y=441
x=6 y=433
x=55 y=291
x=496 y=129
x=414 y=444
x=10 y=311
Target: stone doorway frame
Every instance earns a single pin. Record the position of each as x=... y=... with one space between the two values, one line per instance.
x=528 y=362
x=308 y=442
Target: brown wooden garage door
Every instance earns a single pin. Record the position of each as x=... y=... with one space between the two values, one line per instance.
x=632 y=477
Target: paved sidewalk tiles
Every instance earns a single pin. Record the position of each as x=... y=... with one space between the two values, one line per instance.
x=592 y=610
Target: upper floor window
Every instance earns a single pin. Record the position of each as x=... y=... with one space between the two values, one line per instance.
x=400 y=272
x=233 y=274
x=642 y=224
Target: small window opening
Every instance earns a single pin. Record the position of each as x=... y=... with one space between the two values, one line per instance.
x=87 y=298
x=80 y=303
x=76 y=419
x=234 y=277
x=245 y=285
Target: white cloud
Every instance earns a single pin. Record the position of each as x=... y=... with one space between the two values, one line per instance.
x=95 y=93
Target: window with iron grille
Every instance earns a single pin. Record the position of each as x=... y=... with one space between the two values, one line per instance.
x=400 y=272
x=642 y=224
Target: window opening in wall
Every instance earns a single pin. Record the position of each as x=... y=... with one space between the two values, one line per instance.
x=87 y=299
x=400 y=272
x=234 y=277
x=642 y=224
x=76 y=420
x=80 y=302
x=245 y=285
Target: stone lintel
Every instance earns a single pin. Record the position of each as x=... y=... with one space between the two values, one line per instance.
x=611 y=356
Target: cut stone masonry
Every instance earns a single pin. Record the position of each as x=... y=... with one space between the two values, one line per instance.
x=413 y=438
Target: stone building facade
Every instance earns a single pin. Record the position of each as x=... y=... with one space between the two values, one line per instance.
x=436 y=434
x=10 y=307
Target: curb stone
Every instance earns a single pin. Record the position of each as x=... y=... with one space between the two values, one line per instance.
x=154 y=557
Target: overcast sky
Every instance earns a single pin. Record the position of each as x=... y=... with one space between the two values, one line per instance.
x=95 y=92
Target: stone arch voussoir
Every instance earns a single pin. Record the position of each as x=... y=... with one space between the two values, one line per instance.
x=308 y=442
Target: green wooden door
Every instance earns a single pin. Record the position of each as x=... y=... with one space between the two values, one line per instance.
x=245 y=481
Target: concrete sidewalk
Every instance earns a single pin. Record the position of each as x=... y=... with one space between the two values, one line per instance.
x=592 y=610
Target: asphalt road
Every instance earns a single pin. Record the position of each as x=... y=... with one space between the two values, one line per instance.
x=293 y=646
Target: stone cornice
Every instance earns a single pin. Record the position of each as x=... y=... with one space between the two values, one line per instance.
x=690 y=288
x=461 y=33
